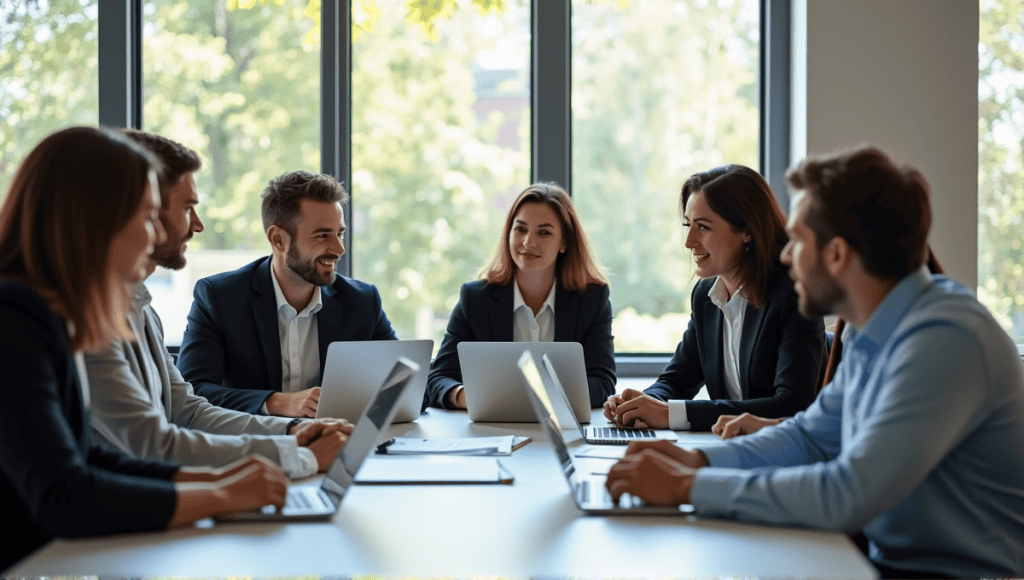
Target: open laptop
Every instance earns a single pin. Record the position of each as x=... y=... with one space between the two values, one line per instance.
x=494 y=385
x=588 y=491
x=355 y=369
x=318 y=503
x=599 y=434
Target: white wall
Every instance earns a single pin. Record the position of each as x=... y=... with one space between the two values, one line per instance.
x=903 y=75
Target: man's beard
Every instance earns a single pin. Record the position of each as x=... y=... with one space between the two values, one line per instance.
x=307 y=270
x=170 y=254
x=826 y=293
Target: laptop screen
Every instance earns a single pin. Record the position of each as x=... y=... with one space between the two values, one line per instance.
x=546 y=414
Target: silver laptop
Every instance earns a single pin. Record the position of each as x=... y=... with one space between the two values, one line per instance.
x=318 y=503
x=354 y=370
x=589 y=491
x=599 y=434
x=494 y=385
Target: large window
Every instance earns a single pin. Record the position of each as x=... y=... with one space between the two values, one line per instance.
x=239 y=82
x=440 y=147
x=661 y=89
x=1001 y=163
x=48 y=74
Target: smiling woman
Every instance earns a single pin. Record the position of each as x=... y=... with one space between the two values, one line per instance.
x=543 y=285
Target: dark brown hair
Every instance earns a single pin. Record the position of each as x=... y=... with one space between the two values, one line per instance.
x=882 y=210
x=281 y=198
x=176 y=159
x=575 y=269
x=69 y=199
x=745 y=201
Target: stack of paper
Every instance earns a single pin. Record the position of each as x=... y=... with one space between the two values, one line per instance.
x=456 y=446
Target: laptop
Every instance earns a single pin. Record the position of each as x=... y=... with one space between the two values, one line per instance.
x=305 y=503
x=494 y=385
x=598 y=434
x=355 y=369
x=588 y=491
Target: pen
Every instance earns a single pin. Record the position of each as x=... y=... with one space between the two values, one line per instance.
x=383 y=447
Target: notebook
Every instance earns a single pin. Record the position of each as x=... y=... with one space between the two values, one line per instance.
x=318 y=503
x=603 y=434
x=494 y=386
x=354 y=370
x=588 y=491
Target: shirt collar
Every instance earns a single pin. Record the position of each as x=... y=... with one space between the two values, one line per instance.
x=890 y=311
x=717 y=295
x=518 y=302
x=314 y=303
x=141 y=297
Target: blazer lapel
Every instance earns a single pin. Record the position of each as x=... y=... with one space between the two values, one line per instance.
x=566 y=313
x=753 y=320
x=715 y=374
x=328 y=322
x=499 y=311
x=263 y=306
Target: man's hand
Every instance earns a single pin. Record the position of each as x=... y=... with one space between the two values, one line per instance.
x=729 y=426
x=634 y=409
x=299 y=404
x=327 y=445
x=653 y=477
x=313 y=430
x=688 y=457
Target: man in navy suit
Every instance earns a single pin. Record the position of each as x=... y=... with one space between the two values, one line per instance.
x=257 y=338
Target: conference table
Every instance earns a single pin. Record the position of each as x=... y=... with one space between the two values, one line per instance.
x=529 y=528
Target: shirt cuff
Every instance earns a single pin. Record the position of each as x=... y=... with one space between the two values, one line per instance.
x=454 y=392
x=677 y=420
x=714 y=491
x=263 y=409
x=722 y=455
x=296 y=462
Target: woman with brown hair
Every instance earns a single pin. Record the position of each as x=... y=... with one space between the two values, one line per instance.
x=543 y=285
x=78 y=224
x=746 y=341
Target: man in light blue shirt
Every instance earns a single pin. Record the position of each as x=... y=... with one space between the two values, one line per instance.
x=919 y=440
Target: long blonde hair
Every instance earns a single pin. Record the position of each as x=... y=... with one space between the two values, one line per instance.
x=69 y=198
x=575 y=269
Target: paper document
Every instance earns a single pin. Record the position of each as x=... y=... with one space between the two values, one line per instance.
x=600 y=452
x=452 y=446
x=434 y=469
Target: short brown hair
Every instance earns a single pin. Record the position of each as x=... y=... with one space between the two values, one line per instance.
x=882 y=210
x=746 y=202
x=576 y=268
x=69 y=199
x=280 y=205
x=176 y=159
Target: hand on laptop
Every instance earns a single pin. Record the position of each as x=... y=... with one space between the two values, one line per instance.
x=298 y=404
x=729 y=426
x=651 y=476
x=247 y=484
x=688 y=457
x=632 y=408
x=211 y=474
x=325 y=439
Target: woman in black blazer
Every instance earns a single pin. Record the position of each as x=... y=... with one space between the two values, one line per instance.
x=746 y=341
x=545 y=266
x=77 y=225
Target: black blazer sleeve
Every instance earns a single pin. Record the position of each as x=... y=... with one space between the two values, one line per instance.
x=784 y=365
x=684 y=375
x=445 y=372
x=56 y=482
x=203 y=355
x=595 y=334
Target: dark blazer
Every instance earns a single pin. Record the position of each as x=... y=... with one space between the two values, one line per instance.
x=231 y=351
x=781 y=354
x=484 y=313
x=56 y=481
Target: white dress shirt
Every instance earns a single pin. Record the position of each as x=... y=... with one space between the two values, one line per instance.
x=300 y=341
x=733 y=310
x=526 y=327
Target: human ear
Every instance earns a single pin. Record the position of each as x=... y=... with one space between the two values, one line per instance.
x=278 y=238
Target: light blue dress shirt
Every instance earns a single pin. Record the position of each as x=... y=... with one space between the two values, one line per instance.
x=918 y=441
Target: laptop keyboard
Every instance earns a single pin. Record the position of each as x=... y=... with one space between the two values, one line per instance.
x=593 y=491
x=298 y=502
x=615 y=433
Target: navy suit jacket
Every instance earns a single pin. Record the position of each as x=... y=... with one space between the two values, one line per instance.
x=231 y=351
x=781 y=357
x=55 y=481
x=484 y=313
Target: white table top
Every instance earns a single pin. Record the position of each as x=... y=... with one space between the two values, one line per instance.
x=528 y=529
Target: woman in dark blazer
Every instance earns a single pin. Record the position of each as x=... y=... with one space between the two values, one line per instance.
x=746 y=341
x=77 y=226
x=543 y=285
